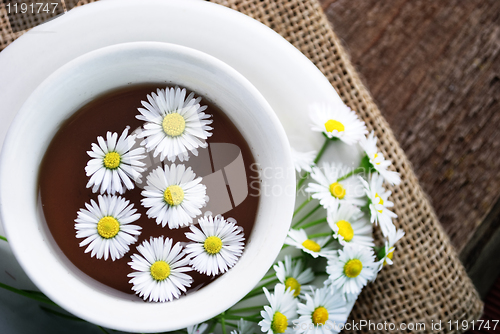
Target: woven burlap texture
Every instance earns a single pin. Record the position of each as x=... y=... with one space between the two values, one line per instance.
x=427 y=282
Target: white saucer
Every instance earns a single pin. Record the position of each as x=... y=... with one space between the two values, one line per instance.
x=284 y=76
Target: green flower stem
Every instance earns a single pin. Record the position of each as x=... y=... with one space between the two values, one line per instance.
x=3 y=238
x=351 y=173
x=60 y=314
x=307 y=216
x=315 y=222
x=318 y=235
x=320 y=153
x=103 y=330
x=244 y=309
x=212 y=326
x=258 y=290
x=302 y=206
x=223 y=322
x=322 y=150
x=267 y=277
x=30 y=294
x=233 y=317
x=231 y=324
x=329 y=242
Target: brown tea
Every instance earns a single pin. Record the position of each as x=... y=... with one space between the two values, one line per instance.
x=62 y=180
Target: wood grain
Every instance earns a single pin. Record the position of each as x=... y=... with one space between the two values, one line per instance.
x=433 y=68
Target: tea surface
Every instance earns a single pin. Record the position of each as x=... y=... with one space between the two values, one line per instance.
x=62 y=180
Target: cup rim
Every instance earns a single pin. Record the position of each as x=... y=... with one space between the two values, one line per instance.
x=77 y=301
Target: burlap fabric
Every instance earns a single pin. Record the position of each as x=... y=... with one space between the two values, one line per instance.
x=427 y=282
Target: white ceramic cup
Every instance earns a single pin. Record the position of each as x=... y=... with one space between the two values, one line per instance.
x=74 y=85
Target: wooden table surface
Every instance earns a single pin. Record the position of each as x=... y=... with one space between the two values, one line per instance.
x=433 y=68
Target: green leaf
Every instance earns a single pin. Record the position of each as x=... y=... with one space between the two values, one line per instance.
x=38 y=296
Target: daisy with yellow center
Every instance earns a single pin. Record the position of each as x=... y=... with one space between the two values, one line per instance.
x=323 y=312
x=350 y=226
x=159 y=270
x=106 y=227
x=315 y=247
x=175 y=124
x=378 y=199
x=174 y=196
x=351 y=269
x=115 y=163
x=330 y=191
x=293 y=275
x=337 y=121
x=217 y=245
x=389 y=248
x=282 y=310
x=377 y=161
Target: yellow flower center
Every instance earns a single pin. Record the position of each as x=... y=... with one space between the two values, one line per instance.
x=389 y=256
x=108 y=227
x=332 y=124
x=173 y=124
x=380 y=201
x=311 y=245
x=212 y=245
x=173 y=195
x=279 y=323
x=345 y=230
x=320 y=316
x=160 y=270
x=337 y=190
x=292 y=283
x=375 y=157
x=353 y=268
x=112 y=160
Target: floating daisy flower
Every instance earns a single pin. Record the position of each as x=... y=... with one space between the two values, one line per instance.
x=174 y=195
x=218 y=243
x=323 y=313
x=175 y=124
x=282 y=311
x=159 y=270
x=303 y=161
x=197 y=329
x=349 y=226
x=330 y=191
x=392 y=237
x=351 y=269
x=379 y=203
x=315 y=248
x=114 y=165
x=244 y=327
x=377 y=161
x=106 y=227
x=337 y=121
x=292 y=274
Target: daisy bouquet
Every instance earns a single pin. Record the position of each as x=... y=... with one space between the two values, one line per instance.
x=330 y=253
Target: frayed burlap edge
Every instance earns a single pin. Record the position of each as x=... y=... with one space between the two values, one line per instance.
x=427 y=282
